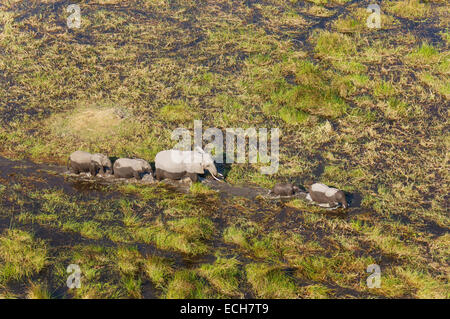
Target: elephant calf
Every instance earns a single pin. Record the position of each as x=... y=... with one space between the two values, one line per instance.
x=284 y=189
x=175 y=164
x=129 y=168
x=81 y=161
x=325 y=196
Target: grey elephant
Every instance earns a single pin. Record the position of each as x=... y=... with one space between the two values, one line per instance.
x=175 y=164
x=325 y=196
x=131 y=167
x=80 y=161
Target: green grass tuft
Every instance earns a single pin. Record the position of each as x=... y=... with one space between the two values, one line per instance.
x=270 y=282
x=21 y=255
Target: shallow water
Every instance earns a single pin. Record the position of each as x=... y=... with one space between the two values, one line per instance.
x=52 y=176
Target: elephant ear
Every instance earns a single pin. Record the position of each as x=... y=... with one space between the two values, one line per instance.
x=97 y=159
x=106 y=161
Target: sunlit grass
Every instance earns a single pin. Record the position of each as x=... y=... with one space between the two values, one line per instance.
x=359 y=109
x=21 y=255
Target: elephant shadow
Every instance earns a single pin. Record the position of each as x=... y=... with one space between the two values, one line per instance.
x=153 y=166
x=223 y=168
x=354 y=200
x=113 y=159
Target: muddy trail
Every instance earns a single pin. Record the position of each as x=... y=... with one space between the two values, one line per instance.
x=53 y=176
x=43 y=176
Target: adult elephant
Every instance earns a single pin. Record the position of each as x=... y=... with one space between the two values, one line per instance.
x=80 y=161
x=175 y=164
x=131 y=167
x=325 y=196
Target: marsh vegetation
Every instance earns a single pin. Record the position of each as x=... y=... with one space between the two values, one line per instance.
x=364 y=110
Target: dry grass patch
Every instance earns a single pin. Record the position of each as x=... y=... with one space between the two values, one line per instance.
x=356 y=21
x=411 y=9
x=91 y=124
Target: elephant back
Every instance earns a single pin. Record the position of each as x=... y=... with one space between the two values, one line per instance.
x=171 y=161
x=135 y=164
x=80 y=157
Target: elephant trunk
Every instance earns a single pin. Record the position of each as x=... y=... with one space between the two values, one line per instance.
x=109 y=166
x=342 y=200
x=213 y=170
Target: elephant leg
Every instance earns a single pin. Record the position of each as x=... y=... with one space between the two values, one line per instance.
x=192 y=176
x=159 y=174
x=136 y=175
x=71 y=167
x=93 y=169
x=74 y=168
x=118 y=172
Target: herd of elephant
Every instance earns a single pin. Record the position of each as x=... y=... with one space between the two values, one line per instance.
x=176 y=165
x=171 y=164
